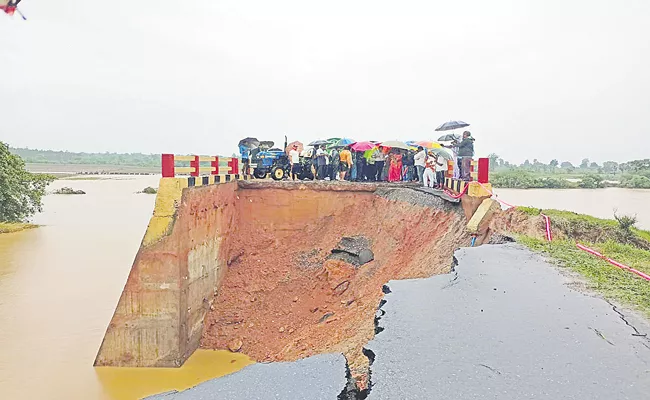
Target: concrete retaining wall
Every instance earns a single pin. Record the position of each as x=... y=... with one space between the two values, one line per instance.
x=159 y=318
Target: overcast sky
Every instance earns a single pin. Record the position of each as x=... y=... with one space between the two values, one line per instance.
x=562 y=79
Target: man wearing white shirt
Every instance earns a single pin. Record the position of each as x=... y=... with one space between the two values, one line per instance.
x=295 y=162
x=420 y=161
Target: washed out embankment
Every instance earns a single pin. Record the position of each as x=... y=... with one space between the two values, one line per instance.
x=284 y=297
x=248 y=266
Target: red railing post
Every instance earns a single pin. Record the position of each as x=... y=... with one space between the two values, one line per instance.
x=195 y=164
x=234 y=166
x=215 y=165
x=168 y=166
x=484 y=170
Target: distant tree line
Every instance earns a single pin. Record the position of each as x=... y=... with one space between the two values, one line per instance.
x=536 y=174
x=66 y=157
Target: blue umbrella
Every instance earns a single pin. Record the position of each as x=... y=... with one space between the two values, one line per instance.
x=451 y=125
x=345 y=142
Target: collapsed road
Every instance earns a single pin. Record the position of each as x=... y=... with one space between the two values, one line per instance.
x=504 y=324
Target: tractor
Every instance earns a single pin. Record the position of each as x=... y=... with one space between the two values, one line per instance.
x=265 y=159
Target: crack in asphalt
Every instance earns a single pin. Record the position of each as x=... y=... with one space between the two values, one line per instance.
x=351 y=391
x=453 y=271
x=496 y=371
x=636 y=333
x=600 y=335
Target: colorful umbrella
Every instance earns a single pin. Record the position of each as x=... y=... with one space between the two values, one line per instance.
x=363 y=146
x=345 y=142
x=395 y=144
x=296 y=143
x=427 y=144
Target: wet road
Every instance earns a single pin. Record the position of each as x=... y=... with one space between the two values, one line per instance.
x=504 y=326
x=316 y=378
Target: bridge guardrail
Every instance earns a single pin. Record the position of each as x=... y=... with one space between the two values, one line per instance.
x=218 y=165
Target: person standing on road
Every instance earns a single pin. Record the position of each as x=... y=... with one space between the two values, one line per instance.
x=345 y=163
x=465 y=154
x=371 y=171
x=420 y=162
x=294 y=155
x=335 y=160
x=395 y=171
x=380 y=159
x=441 y=168
x=409 y=165
x=429 y=176
x=321 y=156
x=361 y=166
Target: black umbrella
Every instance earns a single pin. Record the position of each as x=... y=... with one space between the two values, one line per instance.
x=451 y=125
x=249 y=143
x=449 y=137
x=318 y=142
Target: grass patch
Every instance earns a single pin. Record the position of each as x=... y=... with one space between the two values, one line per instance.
x=602 y=277
x=529 y=210
x=9 y=227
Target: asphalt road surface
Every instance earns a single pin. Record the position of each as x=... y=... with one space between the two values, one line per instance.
x=505 y=325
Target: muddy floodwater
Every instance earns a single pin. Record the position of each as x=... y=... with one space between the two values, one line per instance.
x=597 y=202
x=59 y=285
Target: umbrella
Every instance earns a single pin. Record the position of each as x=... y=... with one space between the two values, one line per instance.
x=427 y=144
x=308 y=152
x=296 y=143
x=451 y=125
x=450 y=137
x=318 y=142
x=441 y=151
x=396 y=144
x=249 y=143
x=345 y=142
x=363 y=146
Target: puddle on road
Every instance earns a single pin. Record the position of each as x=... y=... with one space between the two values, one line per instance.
x=136 y=383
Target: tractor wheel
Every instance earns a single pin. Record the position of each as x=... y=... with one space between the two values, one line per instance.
x=277 y=173
x=259 y=173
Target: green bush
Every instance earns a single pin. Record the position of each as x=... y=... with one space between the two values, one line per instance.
x=526 y=180
x=591 y=181
x=21 y=191
x=636 y=182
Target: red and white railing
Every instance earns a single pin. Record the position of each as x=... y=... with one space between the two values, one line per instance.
x=217 y=165
x=479 y=170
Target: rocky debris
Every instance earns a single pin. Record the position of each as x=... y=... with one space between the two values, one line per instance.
x=149 y=190
x=497 y=238
x=235 y=345
x=341 y=288
x=309 y=260
x=325 y=317
x=68 y=190
x=353 y=250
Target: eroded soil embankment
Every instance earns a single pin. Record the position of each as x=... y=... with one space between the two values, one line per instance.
x=282 y=299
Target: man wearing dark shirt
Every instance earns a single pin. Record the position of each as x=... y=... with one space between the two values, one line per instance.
x=465 y=154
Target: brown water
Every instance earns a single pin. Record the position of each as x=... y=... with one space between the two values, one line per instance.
x=597 y=202
x=59 y=285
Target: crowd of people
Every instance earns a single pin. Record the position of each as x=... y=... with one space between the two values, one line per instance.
x=385 y=164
